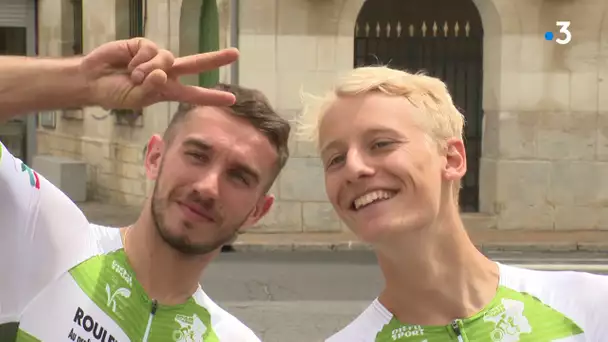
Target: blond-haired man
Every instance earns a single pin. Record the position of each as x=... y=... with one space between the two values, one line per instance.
x=391 y=145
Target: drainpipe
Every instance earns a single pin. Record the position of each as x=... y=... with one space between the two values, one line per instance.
x=234 y=39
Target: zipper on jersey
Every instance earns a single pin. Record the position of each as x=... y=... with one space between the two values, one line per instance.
x=457 y=330
x=150 y=318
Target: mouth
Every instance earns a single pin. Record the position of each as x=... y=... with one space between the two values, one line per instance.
x=195 y=212
x=371 y=198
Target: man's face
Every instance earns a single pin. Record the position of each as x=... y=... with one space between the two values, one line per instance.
x=210 y=180
x=383 y=174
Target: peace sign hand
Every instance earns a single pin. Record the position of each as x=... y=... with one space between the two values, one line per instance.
x=135 y=73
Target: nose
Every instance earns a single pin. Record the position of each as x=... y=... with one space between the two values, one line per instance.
x=208 y=184
x=357 y=166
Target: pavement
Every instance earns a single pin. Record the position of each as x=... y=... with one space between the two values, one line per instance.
x=306 y=296
x=479 y=227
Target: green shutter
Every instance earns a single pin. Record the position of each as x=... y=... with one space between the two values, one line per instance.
x=209 y=39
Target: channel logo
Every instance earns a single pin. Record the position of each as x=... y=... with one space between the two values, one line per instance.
x=563 y=37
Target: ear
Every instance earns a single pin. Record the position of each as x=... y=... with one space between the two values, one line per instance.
x=261 y=209
x=456 y=160
x=153 y=156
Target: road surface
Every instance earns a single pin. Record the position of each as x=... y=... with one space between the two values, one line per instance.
x=307 y=296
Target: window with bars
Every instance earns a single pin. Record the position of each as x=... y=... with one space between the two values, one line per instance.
x=136 y=18
x=77 y=27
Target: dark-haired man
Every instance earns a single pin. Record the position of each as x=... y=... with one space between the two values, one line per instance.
x=212 y=170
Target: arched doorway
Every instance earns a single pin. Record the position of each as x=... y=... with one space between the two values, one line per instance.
x=443 y=38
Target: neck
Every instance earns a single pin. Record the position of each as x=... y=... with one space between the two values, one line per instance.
x=168 y=276
x=435 y=275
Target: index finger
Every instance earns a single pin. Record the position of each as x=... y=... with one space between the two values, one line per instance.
x=196 y=64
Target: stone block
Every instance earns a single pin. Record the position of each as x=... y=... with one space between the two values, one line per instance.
x=584 y=91
x=284 y=216
x=70 y=176
x=490 y=137
x=345 y=46
x=93 y=151
x=132 y=171
x=303 y=180
x=258 y=53
x=602 y=222
x=292 y=18
x=574 y=217
x=130 y=154
x=603 y=82
x=275 y=189
x=263 y=80
x=522 y=182
x=515 y=215
x=326 y=53
x=488 y=175
x=290 y=85
x=574 y=183
x=320 y=217
x=530 y=86
x=563 y=135
x=306 y=149
x=602 y=134
x=296 y=53
x=258 y=17
x=517 y=135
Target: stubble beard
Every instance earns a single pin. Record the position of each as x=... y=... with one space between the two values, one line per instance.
x=178 y=243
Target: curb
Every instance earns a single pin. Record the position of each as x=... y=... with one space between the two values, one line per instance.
x=354 y=245
x=300 y=246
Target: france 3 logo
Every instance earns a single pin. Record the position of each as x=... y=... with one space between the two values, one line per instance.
x=564 y=36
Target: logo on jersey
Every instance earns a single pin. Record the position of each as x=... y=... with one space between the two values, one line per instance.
x=122 y=272
x=407 y=331
x=34 y=181
x=123 y=292
x=191 y=329
x=509 y=321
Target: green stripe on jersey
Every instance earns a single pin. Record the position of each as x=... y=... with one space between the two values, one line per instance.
x=110 y=283
x=511 y=316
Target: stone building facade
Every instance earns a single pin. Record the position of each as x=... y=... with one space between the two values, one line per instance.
x=544 y=133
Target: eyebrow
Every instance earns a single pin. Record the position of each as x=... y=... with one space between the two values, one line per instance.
x=207 y=147
x=198 y=144
x=370 y=132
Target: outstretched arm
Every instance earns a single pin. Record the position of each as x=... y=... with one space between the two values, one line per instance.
x=122 y=74
x=29 y=84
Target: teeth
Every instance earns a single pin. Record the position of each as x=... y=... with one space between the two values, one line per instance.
x=371 y=197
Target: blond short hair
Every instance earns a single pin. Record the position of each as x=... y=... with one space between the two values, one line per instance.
x=439 y=116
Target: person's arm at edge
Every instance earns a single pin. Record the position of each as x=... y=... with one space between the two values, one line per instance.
x=30 y=84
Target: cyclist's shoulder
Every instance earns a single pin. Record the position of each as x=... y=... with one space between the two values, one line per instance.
x=366 y=326
x=576 y=294
x=226 y=326
x=108 y=238
x=554 y=280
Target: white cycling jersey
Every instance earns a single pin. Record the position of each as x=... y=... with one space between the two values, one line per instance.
x=62 y=280
x=535 y=306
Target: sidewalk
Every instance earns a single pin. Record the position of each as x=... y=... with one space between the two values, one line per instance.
x=486 y=239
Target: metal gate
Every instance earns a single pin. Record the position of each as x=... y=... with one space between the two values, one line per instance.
x=443 y=38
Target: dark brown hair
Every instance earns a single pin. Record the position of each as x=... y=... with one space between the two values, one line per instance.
x=253 y=106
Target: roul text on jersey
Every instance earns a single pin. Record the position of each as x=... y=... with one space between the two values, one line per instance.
x=91 y=326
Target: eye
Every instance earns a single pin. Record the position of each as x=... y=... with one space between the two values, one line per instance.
x=381 y=143
x=239 y=177
x=335 y=159
x=197 y=156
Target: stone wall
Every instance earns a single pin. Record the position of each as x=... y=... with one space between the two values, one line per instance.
x=545 y=144
x=111 y=147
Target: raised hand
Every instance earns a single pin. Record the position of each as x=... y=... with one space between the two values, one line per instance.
x=135 y=73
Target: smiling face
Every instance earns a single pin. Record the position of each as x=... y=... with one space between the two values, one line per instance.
x=383 y=172
x=211 y=179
